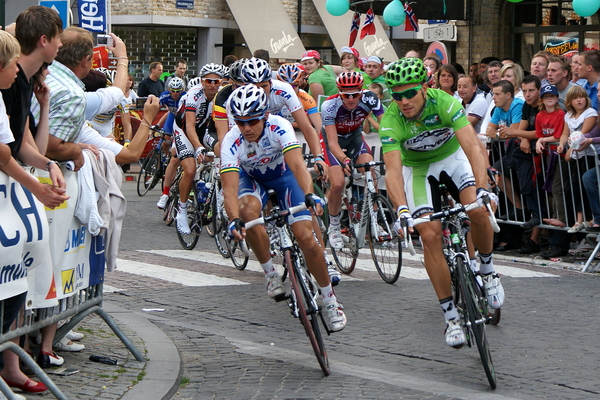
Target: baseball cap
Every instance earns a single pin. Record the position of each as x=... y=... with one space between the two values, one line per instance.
x=350 y=50
x=375 y=59
x=310 y=54
x=549 y=89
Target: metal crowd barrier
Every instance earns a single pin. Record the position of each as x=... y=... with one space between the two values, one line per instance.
x=573 y=197
x=76 y=307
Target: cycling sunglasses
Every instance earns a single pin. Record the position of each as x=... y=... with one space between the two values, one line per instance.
x=212 y=81
x=346 y=95
x=406 y=94
x=251 y=121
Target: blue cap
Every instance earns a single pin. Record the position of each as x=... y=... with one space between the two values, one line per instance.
x=548 y=89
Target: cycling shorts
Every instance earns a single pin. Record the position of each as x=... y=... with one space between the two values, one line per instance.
x=352 y=144
x=209 y=139
x=289 y=193
x=421 y=184
x=182 y=144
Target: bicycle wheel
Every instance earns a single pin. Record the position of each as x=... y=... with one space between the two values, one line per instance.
x=149 y=174
x=323 y=219
x=237 y=254
x=170 y=211
x=303 y=298
x=188 y=241
x=386 y=249
x=221 y=234
x=345 y=258
x=474 y=318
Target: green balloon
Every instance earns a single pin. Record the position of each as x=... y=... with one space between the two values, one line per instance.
x=337 y=7
x=394 y=14
x=515 y=1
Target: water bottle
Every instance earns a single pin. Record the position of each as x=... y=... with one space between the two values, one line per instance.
x=202 y=191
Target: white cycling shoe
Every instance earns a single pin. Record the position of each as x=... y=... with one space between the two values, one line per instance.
x=334 y=236
x=183 y=225
x=493 y=290
x=162 y=202
x=275 y=289
x=334 y=313
x=455 y=336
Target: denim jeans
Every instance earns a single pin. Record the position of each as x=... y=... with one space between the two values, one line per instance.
x=590 y=181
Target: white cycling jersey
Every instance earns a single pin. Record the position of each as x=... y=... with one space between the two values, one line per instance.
x=263 y=159
x=281 y=98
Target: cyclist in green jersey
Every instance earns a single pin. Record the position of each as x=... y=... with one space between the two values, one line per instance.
x=427 y=139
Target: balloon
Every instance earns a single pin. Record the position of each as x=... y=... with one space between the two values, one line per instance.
x=515 y=1
x=337 y=7
x=394 y=14
x=585 y=8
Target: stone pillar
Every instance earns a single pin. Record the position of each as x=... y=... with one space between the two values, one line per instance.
x=206 y=50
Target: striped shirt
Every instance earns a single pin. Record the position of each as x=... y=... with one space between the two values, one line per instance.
x=67 y=103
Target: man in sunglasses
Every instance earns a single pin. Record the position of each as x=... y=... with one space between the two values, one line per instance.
x=343 y=117
x=191 y=136
x=426 y=139
x=260 y=153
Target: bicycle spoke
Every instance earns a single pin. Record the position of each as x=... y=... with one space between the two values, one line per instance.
x=384 y=243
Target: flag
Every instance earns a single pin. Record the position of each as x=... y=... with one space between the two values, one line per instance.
x=411 y=23
x=369 y=26
x=354 y=29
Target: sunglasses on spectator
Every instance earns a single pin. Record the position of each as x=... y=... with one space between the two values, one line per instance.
x=212 y=81
x=346 y=95
x=406 y=94
x=252 y=121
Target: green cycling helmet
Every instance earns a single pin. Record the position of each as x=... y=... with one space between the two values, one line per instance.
x=404 y=71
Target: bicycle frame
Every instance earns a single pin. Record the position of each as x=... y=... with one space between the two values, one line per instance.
x=369 y=189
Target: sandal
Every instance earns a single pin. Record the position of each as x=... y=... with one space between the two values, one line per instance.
x=576 y=228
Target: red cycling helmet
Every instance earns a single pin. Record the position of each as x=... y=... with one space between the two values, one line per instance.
x=349 y=80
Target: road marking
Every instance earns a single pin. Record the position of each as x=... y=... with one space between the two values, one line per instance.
x=175 y=275
x=212 y=258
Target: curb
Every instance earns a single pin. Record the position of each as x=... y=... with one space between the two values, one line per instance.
x=163 y=363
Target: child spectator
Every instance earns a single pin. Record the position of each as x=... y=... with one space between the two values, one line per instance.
x=371 y=124
x=580 y=119
x=549 y=127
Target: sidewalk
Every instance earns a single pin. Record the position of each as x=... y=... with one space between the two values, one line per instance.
x=157 y=378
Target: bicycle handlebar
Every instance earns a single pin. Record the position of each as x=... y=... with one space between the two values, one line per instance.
x=445 y=214
x=277 y=215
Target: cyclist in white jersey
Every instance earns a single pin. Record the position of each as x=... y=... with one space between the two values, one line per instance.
x=191 y=123
x=261 y=153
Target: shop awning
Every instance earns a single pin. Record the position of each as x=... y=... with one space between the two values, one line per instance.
x=265 y=24
x=339 y=31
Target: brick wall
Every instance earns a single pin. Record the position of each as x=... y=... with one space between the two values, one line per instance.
x=145 y=45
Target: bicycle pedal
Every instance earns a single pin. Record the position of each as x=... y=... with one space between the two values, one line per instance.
x=280 y=297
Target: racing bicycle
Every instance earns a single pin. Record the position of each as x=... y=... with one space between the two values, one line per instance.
x=369 y=219
x=304 y=293
x=155 y=163
x=468 y=293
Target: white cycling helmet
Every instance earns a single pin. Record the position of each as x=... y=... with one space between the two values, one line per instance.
x=248 y=100
x=176 y=84
x=195 y=82
x=235 y=70
x=212 y=69
x=106 y=73
x=256 y=70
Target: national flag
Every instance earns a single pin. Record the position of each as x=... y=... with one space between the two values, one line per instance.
x=411 y=23
x=354 y=29
x=369 y=26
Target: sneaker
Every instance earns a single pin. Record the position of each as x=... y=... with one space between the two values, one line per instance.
x=334 y=312
x=553 y=252
x=63 y=345
x=493 y=290
x=162 y=202
x=455 y=336
x=183 y=225
x=275 y=288
x=71 y=335
x=584 y=249
x=532 y=223
x=529 y=247
x=334 y=275
x=335 y=238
